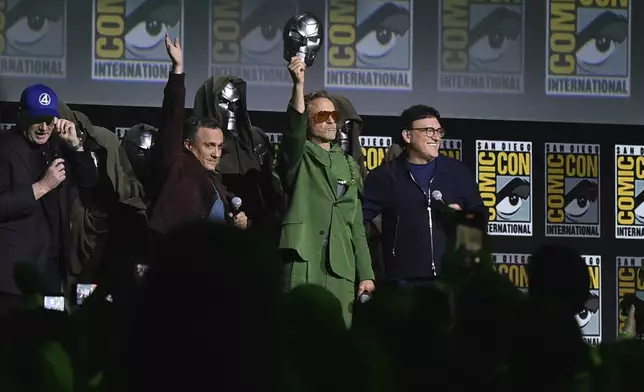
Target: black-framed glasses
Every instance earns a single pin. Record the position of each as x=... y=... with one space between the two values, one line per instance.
x=429 y=131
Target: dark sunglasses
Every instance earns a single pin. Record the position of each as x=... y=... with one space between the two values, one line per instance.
x=321 y=117
x=29 y=121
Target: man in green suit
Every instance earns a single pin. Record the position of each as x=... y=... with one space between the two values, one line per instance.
x=323 y=237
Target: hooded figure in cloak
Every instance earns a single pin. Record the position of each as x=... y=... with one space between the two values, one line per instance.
x=105 y=218
x=246 y=165
x=350 y=130
x=137 y=143
x=351 y=125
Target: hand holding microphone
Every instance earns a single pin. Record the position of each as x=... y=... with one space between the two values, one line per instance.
x=438 y=196
x=240 y=220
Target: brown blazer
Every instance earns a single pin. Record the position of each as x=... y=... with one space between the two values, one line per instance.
x=186 y=190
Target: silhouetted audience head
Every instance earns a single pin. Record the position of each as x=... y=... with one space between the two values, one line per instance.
x=210 y=312
x=559 y=276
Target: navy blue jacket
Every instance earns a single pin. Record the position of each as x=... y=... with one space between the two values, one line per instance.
x=408 y=247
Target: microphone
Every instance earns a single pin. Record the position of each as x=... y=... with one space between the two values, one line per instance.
x=438 y=196
x=442 y=206
x=236 y=203
x=364 y=298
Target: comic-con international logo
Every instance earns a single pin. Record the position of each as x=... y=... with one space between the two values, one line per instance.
x=630 y=287
x=275 y=139
x=369 y=44
x=452 y=148
x=374 y=149
x=588 y=49
x=129 y=38
x=504 y=173
x=629 y=191
x=572 y=190
x=514 y=267
x=481 y=46
x=246 y=40
x=590 y=318
x=33 y=39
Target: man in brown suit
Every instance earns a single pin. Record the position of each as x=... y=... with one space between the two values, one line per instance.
x=187 y=154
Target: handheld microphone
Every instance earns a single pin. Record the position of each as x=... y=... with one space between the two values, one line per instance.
x=236 y=203
x=438 y=196
x=364 y=298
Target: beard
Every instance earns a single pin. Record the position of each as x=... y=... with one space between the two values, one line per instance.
x=326 y=134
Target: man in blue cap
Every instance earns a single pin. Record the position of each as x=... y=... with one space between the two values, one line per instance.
x=38 y=158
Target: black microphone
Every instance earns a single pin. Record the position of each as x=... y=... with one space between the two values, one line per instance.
x=236 y=203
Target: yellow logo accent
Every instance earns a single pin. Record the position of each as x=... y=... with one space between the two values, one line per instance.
x=588 y=48
x=572 y=190
x=504 y=172
x=629 y=191
x=369 y=44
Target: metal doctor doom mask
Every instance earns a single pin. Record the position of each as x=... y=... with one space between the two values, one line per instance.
x=137 y=143
x=342 y=137
x=303 y=36
x=229 y=102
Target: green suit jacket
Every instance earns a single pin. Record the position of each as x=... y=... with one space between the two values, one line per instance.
x=310 y=178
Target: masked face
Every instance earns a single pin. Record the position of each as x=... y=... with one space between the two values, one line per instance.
x=343 y=136
x=302 y=37
x=229 y=102
x=137 y=143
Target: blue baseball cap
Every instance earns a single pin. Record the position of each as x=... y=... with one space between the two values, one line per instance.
x=39 y=101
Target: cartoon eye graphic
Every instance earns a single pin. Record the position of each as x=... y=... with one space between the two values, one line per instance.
x=599 y=39
x=639 y=209
x=511 y=197
x=29 y=21
x=494 y=35
x=147 y=25
x=379 y=33
x=590 y=308
x=262 y=29
x=578 y=200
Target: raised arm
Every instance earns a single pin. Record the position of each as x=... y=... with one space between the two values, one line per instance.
x=293 y=139
x=170 y=135
x=83 y=171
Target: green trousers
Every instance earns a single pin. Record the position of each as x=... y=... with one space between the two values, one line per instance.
x=318 y=272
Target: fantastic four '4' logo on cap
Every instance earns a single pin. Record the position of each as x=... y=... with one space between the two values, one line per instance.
x=129 y=38
x=572 y=190
x=369 y=44
x=246 y=40
x=629 y=191
x=481 y=46
x=33 y=38
x=588 y=48
x=504 y=172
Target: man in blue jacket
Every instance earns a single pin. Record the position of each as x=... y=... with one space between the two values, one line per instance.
x=413 y=228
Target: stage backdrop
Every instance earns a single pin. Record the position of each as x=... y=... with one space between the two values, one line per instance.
x=542 y=60
x=577 y=184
